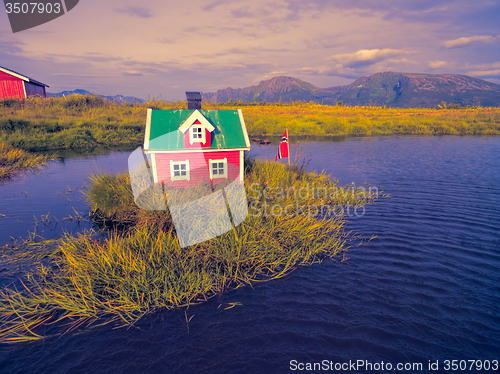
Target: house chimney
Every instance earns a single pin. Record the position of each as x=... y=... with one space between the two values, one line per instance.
x=194 y=100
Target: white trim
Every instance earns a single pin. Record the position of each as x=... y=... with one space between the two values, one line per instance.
x=180 y=177
x=242 y=162
x=15 y=75
x=148 y=129
x=153 y=167
x=224 y=161
x=24 y=88
x=197 y=150
x=196 y=115
x=244 y=128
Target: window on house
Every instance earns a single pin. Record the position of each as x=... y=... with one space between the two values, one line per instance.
x=218 y=168
x=197 y=134
x=179 y=170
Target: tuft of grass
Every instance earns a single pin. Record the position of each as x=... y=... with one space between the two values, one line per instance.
x=13 y=160
x=143 y=268
x=112 y=203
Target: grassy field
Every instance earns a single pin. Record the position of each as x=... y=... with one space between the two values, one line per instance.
x=86 y=121
x=142 y=268
x=40 y=124
x=313 y=119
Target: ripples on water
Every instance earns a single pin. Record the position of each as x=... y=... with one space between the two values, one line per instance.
x=427 y=288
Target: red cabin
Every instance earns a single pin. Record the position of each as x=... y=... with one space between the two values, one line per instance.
x=17 y=86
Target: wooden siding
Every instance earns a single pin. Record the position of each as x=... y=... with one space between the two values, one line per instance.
x=199 y=166
x=11 y=87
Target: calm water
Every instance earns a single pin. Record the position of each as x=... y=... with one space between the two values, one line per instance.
x=427 y=288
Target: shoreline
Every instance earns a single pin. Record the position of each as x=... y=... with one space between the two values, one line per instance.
x=77 y=121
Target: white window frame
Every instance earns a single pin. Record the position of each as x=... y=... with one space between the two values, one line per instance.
x=192 y=139
x=180 y=177
x=211 y=162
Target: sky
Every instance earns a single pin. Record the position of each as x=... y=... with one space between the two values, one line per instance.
x=158 y=48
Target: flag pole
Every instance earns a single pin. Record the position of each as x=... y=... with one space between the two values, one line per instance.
x=288 y=145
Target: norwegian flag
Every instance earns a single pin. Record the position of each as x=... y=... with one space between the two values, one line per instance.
x=283 y=148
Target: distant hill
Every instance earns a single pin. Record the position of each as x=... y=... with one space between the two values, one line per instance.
x=274 y=90
x=392 y=89
x=118 y=98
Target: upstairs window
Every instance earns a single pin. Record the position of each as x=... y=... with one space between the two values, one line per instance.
x=218 y=168
x=197 y=129
x=197 y=133
x=179 y=170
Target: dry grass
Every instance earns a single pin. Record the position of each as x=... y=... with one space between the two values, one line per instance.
x=13 y=160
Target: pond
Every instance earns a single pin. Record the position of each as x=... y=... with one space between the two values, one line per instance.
x=425 y=290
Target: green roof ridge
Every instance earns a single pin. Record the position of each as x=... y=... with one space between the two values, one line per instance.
x=164 y=131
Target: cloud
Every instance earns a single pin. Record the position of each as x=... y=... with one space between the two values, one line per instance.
x=133 y=73
x=491 y=70
x=136 y=11
x=192 y=29
x=73 y=75
x=214 y=4
x=242 y=13
x=485 y=73
x=460 y=16
x=166 y=41
x=365 y=57
x=461 y=42
x=364 y=62
x=13 y=47
x=438 y=64
x=219 y=43
x=423 y=10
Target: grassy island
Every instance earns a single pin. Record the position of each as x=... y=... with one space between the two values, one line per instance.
x=139 y=267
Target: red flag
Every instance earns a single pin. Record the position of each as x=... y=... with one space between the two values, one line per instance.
x=283 y=148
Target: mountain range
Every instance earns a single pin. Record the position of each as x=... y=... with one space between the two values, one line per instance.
x=118 y=98
x=392 y=89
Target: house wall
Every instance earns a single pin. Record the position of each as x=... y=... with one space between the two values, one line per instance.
x=198 y=164
x=34 y=89
x=11 y=87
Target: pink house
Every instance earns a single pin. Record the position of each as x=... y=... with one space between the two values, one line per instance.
x=185 y=147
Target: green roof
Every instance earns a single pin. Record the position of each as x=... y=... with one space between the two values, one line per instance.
x=163 y=132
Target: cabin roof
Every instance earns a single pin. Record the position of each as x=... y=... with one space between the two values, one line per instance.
x=21 y=76
x=163 y=131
